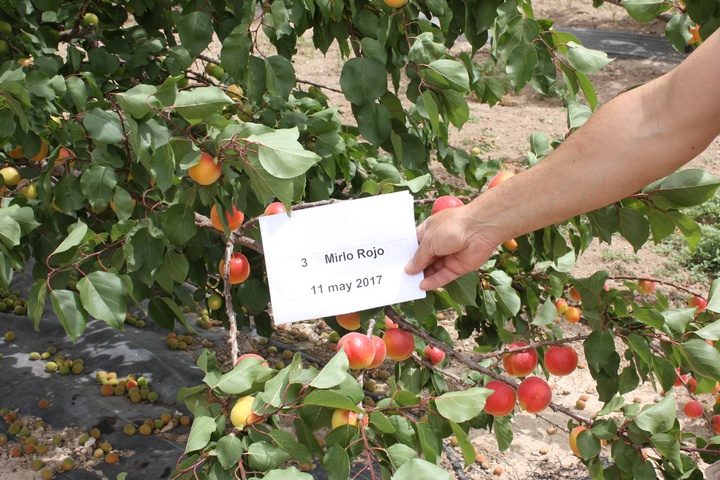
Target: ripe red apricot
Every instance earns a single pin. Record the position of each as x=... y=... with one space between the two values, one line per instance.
x=715 y=421
x=510 y=245
x=349 y=321
x=520 y=364
x=389 y=323
x=251 y=355
x=697 y=302
x=275 y=208
x=572 y=314
x=573 y=439
x=206 y=171
x=400 y=344
x=534 y=394
x=561 y=360
x=502 y=401
x=434 y=355
x=646 y=286
x=239 y=268
x=234 y=220
x=380 y=352
x=499 y=178
x=359 y=349
x=446 y=201
x=574 y=294
x=693 y=409
x=561 y=305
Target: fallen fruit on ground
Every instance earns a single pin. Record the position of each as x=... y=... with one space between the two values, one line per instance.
x=502 y=401
x=534 y=394
x=520 y=364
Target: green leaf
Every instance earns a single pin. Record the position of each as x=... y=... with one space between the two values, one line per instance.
x=77 y=91
x=103 y=127
x=362 y=80
x=381 y=422
x=462 y=406
x=333 y=373
x=200 y=433
x=281 y=155
x=195 y=30
x=714 y=297
x=74 y=238
x=400 y=454
x=677 y=320
x=598 y=348
x=546 y=315
x=198 y=103
x=588 y=445
x=280 y=76
x=290 y=473
x=229 y=451
x=287 y=442
x=162 y=166
x=463 y=290
x=264 y=456
x=704 y=358
x=677 y=31
x=466 y=447
x=104 y=296
x=264 y=185
x=586 y=60
x=669 y=447
x=645 y=10
x=178 y=223
x=374 y=122
x=503 y=432
x=138 y=101
x=124 y=204
x=453 y=72
x=97 y=184
x=236 y=52
x=36 y=302
x=520 y=65
x=658 y=418
x=70 y=312
x=10 y=233
x=634 y=227
x=419 y=469
x=337 y=463
x=685 y=188
x=330 y=398
x=253 y=295
x=239 y=380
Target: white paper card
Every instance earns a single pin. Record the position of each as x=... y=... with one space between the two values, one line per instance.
x=341 y=258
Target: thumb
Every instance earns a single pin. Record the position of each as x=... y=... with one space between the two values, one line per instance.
x=423 y=257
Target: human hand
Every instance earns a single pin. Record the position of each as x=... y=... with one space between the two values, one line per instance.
x=451 y=244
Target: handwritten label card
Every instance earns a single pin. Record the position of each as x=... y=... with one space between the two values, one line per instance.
x=341 y=258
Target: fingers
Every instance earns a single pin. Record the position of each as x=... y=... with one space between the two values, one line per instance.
x=438 y=279
x=423 y=256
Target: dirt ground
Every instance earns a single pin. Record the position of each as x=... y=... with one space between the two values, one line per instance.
x=539 y=449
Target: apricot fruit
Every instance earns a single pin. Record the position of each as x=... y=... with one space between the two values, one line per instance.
x=234 y=220
x=242 y=413
x=359 y=349
x=239 y=268
x=534 y=394
x=572 y=314
x=446 y=201
x=399 y=344
x=561 y=360
x=434 y=355
x=572 y=439
x=520 y=364
x=349 y=321
x=693 y=409
x=380 y=352
x=499 y=178
x=502 y=401
x=646 y=286
x=206 y=171
x=342 y=417
x=275 y=208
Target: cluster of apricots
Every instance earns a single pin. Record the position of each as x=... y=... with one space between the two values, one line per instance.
x=534 y=394
x=136 y=388
x=166 y=420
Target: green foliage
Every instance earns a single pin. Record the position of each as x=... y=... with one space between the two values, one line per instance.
x=108 y=121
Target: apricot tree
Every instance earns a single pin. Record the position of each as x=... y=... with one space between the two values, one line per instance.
x=123 y=104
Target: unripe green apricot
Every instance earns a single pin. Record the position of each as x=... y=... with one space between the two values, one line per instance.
x=51 y=367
